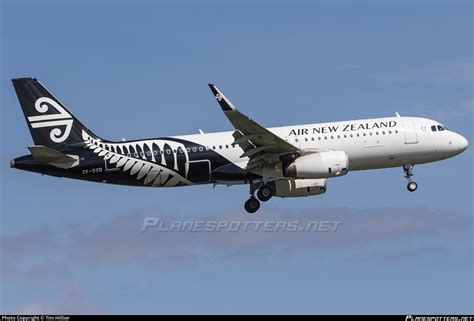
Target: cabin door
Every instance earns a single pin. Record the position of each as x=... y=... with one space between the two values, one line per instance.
x=411 y=136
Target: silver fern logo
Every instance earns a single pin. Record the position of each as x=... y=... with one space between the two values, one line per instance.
x=60 y=119
x=143 y=160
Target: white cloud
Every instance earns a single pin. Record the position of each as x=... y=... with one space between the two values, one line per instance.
x=33 y=308
x=457 y=110
x=455 y=73
x=121 y=241
x=70 y=301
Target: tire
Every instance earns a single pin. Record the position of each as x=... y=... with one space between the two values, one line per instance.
x=412 y=186
x=252 y=205
x=264 y=193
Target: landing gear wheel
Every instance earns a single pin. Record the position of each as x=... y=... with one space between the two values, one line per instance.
x=252 y=205
x=265 y=193
x=408 y=169
x=412 y=186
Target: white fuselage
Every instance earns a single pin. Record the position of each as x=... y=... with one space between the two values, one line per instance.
x=368 y=143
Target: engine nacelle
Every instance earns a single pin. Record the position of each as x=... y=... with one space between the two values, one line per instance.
x=298 y=187
x=318 y=165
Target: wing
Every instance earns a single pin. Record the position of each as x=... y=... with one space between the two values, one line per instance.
x=258 y=143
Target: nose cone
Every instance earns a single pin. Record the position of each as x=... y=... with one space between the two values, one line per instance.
x=460 y=143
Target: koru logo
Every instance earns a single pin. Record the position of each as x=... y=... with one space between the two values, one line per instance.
x=63 y=118
x=219 y=97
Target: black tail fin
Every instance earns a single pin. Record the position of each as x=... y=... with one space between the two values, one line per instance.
x=50 y=123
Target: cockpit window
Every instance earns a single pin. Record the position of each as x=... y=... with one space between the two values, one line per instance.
x=440 y=128
x=433 y=128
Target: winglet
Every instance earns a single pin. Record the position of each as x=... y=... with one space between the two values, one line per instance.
x=225 y=103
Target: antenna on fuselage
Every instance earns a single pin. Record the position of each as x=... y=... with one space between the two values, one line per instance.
x=397 y=114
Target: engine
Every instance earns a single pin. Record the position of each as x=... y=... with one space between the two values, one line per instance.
x=298 y=187
x=318 y=165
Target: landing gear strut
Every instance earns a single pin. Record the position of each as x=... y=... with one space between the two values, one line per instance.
x=408 y=169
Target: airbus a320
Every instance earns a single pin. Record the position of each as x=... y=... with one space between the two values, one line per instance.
x=290 y=161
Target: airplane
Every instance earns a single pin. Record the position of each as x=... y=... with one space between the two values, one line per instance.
x=289 y=161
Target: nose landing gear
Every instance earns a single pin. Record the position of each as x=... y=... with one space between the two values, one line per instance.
x=408 y=169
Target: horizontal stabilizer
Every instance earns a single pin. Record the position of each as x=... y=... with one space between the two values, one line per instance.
x=51 y=156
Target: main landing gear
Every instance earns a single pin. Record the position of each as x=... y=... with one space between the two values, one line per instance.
x=264 y=194
x=252 y=204
x=408 y=169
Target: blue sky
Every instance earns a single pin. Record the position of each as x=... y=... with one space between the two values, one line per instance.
x=141 y=69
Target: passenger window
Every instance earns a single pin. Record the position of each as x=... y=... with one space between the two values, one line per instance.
x=433 y=128
x=312 y=138
x=213 y=147
x=220 y=146
x=306 y=139
x=440 y=128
